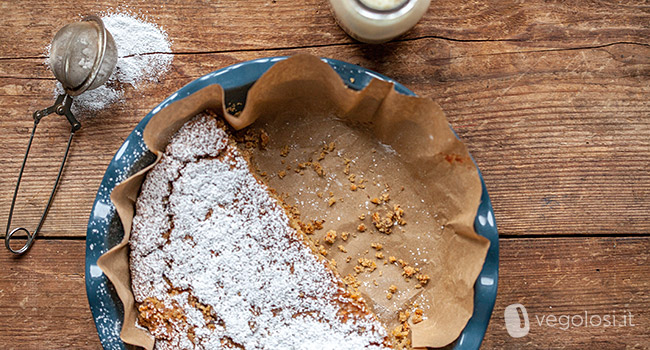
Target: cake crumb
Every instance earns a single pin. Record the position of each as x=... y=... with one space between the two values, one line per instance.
x=284 y=151
x=379 y=255
x=264 y=139
x=423 y=278
x=331 y=201
x=377 y=246
x=330 y=237
x=417 y=316
x=342 y=248
x=399 y=215
x=400 y=332
x=344 y=235
x=392 y=259
x=367 y=263
x=310 y=227
x=282 y=174
x=389 y=296
x=383 y=224
x=346 y=170
x=318 y=168
x=403 y=316
x=361 y=228
x=362 y=217
x=318 y=224
x=351 y=281
x=409 y=271
x=353 y=187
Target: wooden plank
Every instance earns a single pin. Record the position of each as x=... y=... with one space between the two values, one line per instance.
x=45 y=290
x=43 y=302
x=562 y=136
x=270 y=24
x=568 y=277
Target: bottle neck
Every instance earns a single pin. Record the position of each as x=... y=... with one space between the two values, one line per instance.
x=365 y=8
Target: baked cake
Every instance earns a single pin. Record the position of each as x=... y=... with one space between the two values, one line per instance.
x=216 y=263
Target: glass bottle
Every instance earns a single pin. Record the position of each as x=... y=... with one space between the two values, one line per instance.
x=377 y=21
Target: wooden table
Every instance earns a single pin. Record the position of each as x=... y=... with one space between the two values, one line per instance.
x=551 y=97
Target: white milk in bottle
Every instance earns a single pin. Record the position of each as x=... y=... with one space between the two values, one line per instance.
x=377 y=21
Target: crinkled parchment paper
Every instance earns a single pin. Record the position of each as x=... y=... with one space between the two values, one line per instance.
x=400 y=146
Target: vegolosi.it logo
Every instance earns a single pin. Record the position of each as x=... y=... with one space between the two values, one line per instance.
x=518 y=323
x=514 y=325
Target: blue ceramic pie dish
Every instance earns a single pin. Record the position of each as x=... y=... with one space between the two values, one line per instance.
x=105 y=229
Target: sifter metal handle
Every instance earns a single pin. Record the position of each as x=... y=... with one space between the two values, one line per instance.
x=60 y=107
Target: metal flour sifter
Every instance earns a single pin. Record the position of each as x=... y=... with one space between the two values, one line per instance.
x=82 y=57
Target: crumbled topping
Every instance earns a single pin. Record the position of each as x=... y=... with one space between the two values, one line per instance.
x=284 y=151
x=424 y=279
x=409 y=271
x=403 y=316
x=384 y=222
x=310 y=227
x=417 y=316
x=330 y=237
x=318 y=168
x=367 y=264
x=322 y=250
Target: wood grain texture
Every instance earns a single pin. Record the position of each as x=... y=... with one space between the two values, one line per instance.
x=551 y=98
x=43 y=301
x=562 y=136
x=228 y=25
x=570 y=276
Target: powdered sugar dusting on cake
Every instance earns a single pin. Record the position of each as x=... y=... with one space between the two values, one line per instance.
x=209 y=240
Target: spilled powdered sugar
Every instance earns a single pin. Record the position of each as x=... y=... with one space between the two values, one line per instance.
x=142 y=47
x=144 y=55
x=230 y=246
